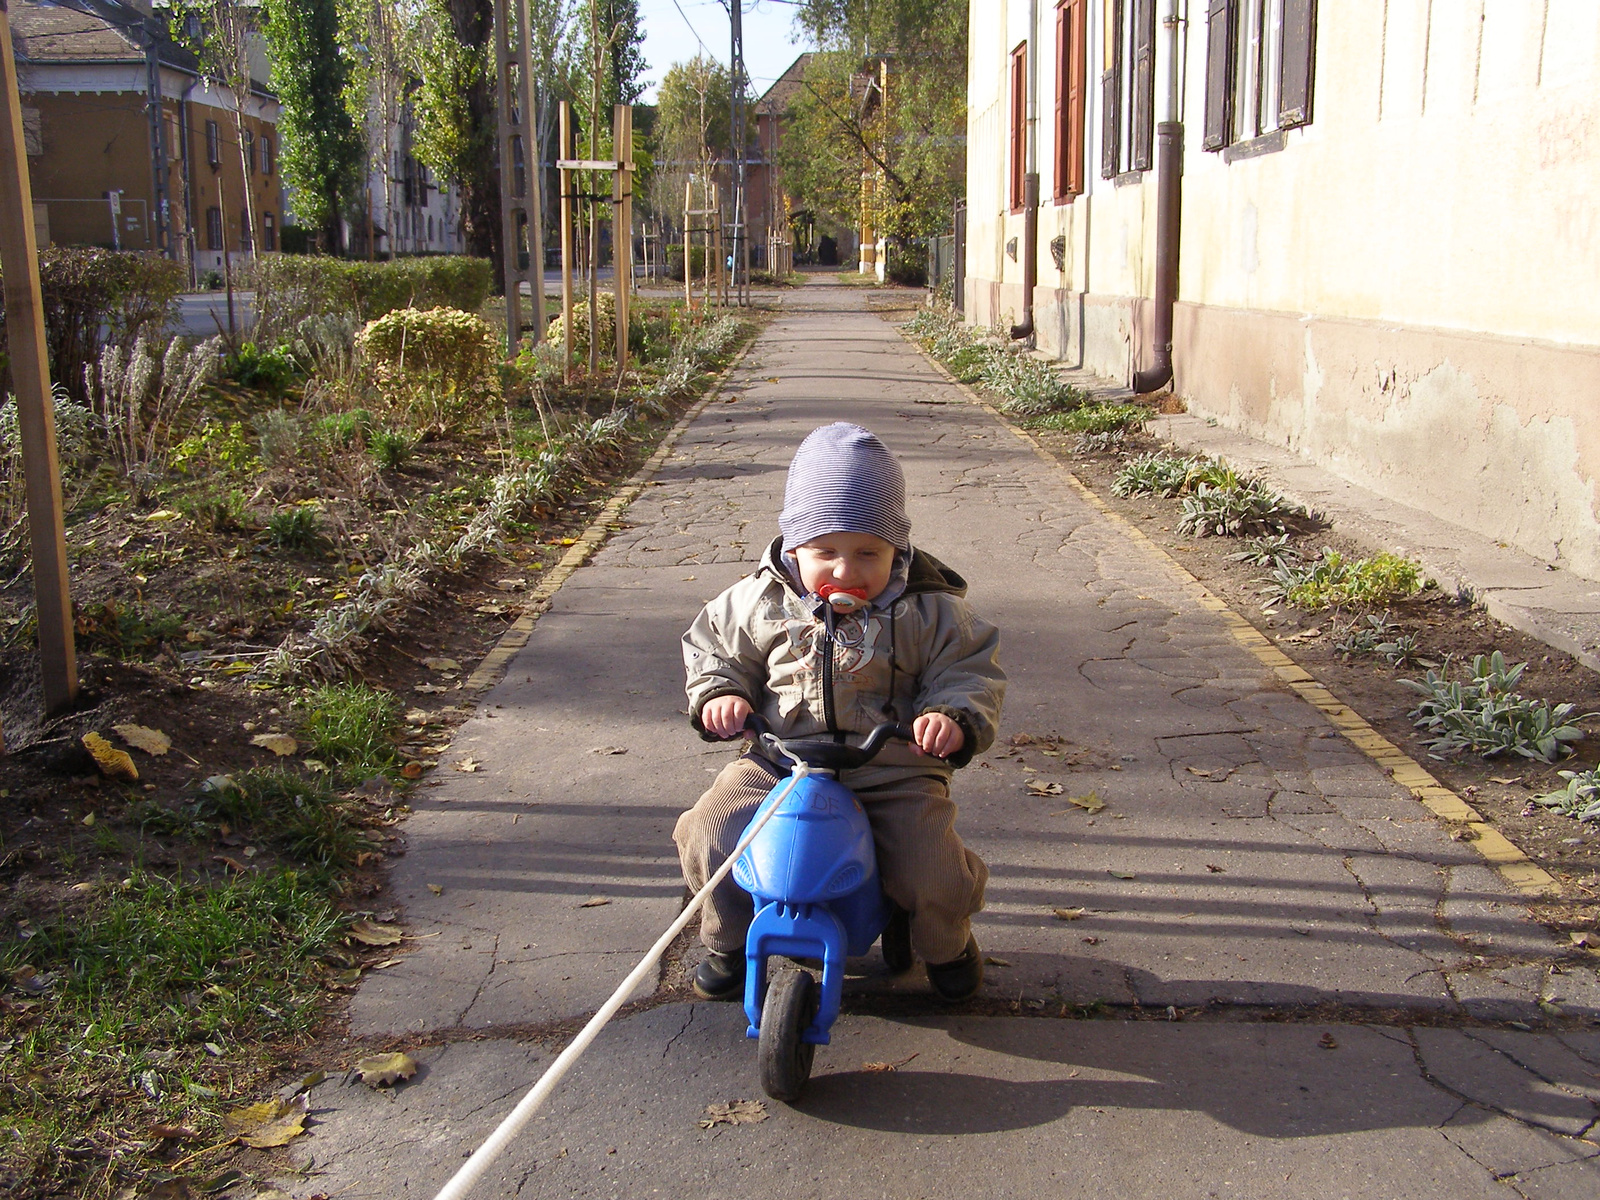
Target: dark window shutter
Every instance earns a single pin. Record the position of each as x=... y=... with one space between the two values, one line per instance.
x=1077 y=80
x=1111 y=94
x=1219 y=72
x=1298 y=62
x=1144 y=83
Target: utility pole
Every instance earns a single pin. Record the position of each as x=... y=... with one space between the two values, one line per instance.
x=736 y=103
x=30 y=376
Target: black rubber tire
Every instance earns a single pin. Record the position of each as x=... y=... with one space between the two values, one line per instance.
x=790 y=1007
x=896 y=943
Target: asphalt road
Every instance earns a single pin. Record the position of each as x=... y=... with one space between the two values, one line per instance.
x=1360 y=1002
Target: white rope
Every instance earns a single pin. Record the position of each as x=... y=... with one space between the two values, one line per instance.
x=472 y=1170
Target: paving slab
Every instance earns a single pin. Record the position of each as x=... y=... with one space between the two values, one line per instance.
x=1248 y=858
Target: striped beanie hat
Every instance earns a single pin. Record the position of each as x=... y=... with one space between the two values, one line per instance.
x=844 y=480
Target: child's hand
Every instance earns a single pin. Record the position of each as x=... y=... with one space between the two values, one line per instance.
x=725 y=716
x=937 y=735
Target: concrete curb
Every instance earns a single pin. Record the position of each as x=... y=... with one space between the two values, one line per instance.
x=493 y=667
x=1515 y=867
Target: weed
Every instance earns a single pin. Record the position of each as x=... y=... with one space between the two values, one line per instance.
x=1579 y=799
x=124 y=630
x=391 y=449
x=344 y=429
x=1096 y=419
x=295 y=528
x=1362 y=636
x=270 y=371
x=1402 y=650
x=303 y=815
x=352 y=728
x=1483 y=714
x=218 y=447
x=1028 y=387
x=215 y=511
x=1169 y=475
x=1331 y=581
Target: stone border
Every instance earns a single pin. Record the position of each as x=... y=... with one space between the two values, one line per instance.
x=1515 y=867
x=493 y=667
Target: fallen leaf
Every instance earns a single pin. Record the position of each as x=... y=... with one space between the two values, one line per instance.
x=269 y=1123
x=89 y=819
x=436 y=889
x=303 y=1084
x=1068 y=914
x=1586 y=939
x=1214 y=869
x=1327 y=1042
x=383 y=1070
x=995 y=962
x=113 y=763
x=609 y=750
x=511 y=585
x=142 y=737
x=466 y=764
x=428 y=689
x=1507 y=780
x=233 y=864
x=1020 y=739
x=279 y=743
x=1090 y=804
x=1090 y=941
x=412 y=770
x=1038 y=787
x=877 y=1067
x=1121 y=874
x=739 y=1112
x=491 y=610
x=371 y=933
x=594 y=902
x=172 y=1132
x=162 y=514
x=441 y=664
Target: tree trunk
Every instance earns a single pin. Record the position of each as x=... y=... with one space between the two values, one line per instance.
x=473 y=21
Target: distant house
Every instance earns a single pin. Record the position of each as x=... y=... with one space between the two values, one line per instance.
x=95 y=155
x=413 y=210
x=767 y=195
x=1385 y=246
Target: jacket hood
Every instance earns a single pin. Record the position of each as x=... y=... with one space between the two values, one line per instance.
x=925 y=574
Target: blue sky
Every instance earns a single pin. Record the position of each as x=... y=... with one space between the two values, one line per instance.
x=670 y=37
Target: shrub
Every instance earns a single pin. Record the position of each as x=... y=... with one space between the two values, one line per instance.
x=341 y=430
x=1028 y=387
x=297 y=528
x=391 y=449
x=439 y=363
x=219 y=447
x=1331 y=581
x=697 y=260
x=1169 y=475
x=280 y=438
x=607 y=304
x=1483 y=713
x=97 y=297
x=1579 y=799
x=293 y=288
x=74 y=424
x=270 y=371
x=1244 y=509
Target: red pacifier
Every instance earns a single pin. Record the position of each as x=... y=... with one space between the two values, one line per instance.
x=843 y=600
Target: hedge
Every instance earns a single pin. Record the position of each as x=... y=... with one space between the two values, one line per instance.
x=92 y=297
x=290 y=288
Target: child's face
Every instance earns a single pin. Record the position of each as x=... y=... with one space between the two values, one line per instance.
x=851 y=561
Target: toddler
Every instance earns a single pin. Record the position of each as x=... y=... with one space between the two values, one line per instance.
x=904 y=646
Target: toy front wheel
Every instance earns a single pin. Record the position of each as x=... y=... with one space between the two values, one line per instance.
x=790 y=1008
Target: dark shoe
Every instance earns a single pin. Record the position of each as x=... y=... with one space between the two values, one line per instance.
x=720 y=976
x=959 y=978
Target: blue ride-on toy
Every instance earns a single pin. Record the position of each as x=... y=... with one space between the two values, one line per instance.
x=812 y=873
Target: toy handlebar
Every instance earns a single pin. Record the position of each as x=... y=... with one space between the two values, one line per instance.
x=827 y=755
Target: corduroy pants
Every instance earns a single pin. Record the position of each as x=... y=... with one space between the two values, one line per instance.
x=924 y=867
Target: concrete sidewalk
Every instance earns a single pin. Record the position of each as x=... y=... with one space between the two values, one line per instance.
x=1252 y=868
x=1558 y=607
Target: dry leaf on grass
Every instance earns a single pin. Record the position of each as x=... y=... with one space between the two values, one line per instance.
x=270 y=1123
x=142 y=737
x=1069 y=914
x=113 y=763
x=739 y=1112
x=383 y=1070
x=172 y=1132
x=370 y=933
x=1038 y=787
x=280 y=744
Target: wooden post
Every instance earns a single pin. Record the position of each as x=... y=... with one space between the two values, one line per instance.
x=622 y=222
x=519 y=206
x=533 y=163
x=30 y=376
x=227 y=258
x=688 y=240
x=565 y=176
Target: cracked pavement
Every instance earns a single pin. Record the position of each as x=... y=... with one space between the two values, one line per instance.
x=1367 y=1008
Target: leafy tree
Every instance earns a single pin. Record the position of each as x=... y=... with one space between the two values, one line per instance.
x=690 y=131
x=885 y=94
x=322 y=149
x=457 y=117
x=626 y=59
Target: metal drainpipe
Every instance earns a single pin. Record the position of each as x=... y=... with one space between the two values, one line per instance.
x=1169 y=195
x=1030 y=187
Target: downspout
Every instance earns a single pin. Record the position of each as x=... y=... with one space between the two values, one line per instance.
x=1169 y=184
x=1030 y=185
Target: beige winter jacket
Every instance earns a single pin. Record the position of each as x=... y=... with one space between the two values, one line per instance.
x=924 y=652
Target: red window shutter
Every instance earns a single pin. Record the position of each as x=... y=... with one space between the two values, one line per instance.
x=1297 y=66
x=1077 y=91
x=1219 y=73
x=1019 y=123
x=1063 y=49
x=1144 y=83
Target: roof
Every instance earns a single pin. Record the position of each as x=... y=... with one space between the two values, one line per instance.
x=781 y=94
x=92 y=31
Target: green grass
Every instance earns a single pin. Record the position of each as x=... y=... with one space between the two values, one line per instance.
x=1096 y=419
x=128 y=992
x=352 y=728
x=297 y=528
